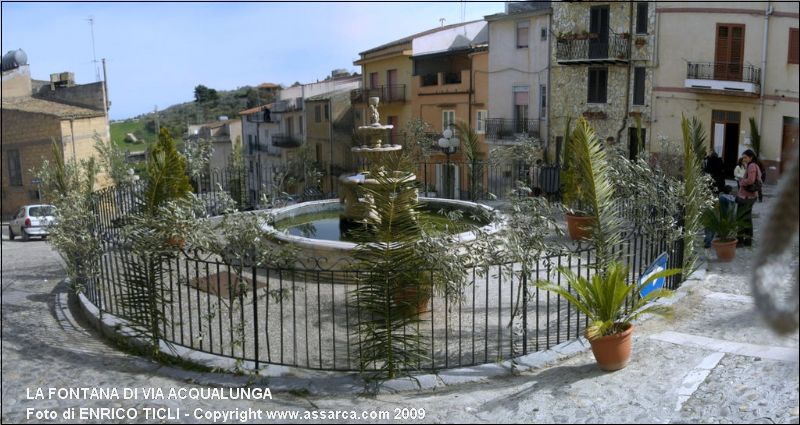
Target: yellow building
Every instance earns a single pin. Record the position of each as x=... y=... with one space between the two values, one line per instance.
x=36 y=113
x=730 y=62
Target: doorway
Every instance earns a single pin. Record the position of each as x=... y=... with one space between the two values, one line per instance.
x=791 y=132
x=598 y=24
x=635 y=145
x=725 y=138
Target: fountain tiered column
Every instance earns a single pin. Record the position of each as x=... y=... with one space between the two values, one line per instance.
x=373 y=151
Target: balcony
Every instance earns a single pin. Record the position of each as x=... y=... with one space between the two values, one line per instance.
x=454 y=82
x=723 y=78
x=286 y=141
x=387 y=94
x=580 y=51
x=499 y=129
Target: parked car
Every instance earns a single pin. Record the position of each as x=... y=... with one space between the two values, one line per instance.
x=31 y=220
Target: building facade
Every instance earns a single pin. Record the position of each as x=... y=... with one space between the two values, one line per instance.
x=729 y=64
x=38 y=113
x=602 y=66
x=518 y=72
x=329 y=121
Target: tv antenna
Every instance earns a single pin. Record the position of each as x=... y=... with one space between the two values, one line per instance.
x=94 y=55
x=441 y=22
x=463 y=10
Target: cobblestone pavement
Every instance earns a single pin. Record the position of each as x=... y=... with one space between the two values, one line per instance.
x=714 y=362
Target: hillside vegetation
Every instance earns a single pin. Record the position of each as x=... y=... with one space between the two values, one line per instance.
x=209 y=104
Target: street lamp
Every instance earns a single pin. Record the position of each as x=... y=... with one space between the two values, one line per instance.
x=448 y=144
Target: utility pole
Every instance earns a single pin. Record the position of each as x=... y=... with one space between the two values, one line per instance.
x=105 y=100
x=158 y=126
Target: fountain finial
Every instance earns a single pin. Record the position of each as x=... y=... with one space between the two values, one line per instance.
x=373 y=111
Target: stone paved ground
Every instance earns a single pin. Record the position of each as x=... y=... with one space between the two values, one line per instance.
x=714 y=362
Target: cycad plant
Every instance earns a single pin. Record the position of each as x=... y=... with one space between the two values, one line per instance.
x=392 y=279
x=603 y=298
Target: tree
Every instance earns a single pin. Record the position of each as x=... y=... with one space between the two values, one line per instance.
x=203 y=95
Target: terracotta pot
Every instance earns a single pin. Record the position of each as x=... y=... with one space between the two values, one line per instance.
x=412 y=296
x=176 y=241
x=613 y=352
x=579 y=227
x=726 y=251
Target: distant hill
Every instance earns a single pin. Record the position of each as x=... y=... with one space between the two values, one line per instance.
x=178 y=117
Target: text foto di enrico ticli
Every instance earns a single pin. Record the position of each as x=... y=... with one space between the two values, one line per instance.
x=147 y=393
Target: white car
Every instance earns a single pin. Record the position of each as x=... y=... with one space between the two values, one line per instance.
x=31 y=220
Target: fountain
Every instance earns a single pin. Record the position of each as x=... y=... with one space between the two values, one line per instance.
x=321 y=229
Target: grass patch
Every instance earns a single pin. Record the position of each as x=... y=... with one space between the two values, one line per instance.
x=138 y=128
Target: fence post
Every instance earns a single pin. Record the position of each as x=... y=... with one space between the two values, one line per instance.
x=255 y=316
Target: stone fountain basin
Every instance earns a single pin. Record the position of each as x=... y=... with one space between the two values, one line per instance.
x=337 y=254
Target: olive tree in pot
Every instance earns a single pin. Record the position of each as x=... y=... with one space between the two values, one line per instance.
x=606 y=297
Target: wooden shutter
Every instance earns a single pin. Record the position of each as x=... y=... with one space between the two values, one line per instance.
x=638 y=85
x=794 y=46
x=641 y=17
x=729 y=55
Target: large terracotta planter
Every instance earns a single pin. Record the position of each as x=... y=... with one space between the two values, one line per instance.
x=413 y=300
x=726 y=251
x=579 y=227
x=613 y=352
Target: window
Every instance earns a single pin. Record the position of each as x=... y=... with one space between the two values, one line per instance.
x=14 y=169
x=373 y=80
x=327 y=113
x=598 y=80
x=448 y=118
x=318 y=113
x=638 y=85
x=480 y=121
x=289 y=126
x=729 y=52
x=794 y=46
x=544 y=34
x=250 y=144
x=522 y=34
x=521 y=101
x=542 y=101
x=641 y=17
x=300 y=125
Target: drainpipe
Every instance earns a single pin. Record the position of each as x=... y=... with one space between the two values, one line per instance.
x=767 y=12
x=72 y=136
x=630 y=69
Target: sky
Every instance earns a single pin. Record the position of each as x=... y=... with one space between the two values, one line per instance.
x=156 y=53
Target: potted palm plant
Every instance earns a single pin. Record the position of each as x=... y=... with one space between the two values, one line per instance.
x=579 y=222
x=604 y=300
x=725 y=223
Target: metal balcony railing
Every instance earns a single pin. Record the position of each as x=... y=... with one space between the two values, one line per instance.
x=387 y=94
x=286 y=141
x=508 y=129
x=723 y=71
x=593 y=50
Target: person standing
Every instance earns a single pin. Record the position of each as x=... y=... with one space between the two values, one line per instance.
x=749 y=186
x=739 y=172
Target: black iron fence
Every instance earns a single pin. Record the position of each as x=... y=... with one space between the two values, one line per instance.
x=724 y=71
x=309 y=317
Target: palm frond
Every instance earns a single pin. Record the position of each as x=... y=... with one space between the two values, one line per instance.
x=593 y=170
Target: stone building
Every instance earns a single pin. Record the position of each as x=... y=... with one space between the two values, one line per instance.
x=602 y=60
x=728 y=63
x=34 y=114
x=222 y=134
x=519 y=71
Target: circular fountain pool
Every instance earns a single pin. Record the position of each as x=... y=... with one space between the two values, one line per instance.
x=313 y=227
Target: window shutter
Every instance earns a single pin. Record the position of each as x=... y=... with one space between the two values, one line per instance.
x=794 y=46
x=638 y=85
x=641 y=17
